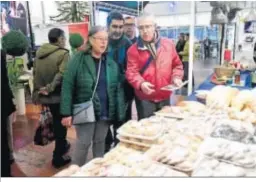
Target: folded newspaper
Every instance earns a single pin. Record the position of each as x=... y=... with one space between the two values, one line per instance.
x=174 y=87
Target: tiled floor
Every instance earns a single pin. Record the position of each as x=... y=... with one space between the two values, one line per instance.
x=35 y=160
x=32 y=160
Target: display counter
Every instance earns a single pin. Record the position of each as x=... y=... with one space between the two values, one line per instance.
x=189 y=139
x=208 y=85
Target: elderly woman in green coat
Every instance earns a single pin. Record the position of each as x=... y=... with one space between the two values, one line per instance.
x=92 y=75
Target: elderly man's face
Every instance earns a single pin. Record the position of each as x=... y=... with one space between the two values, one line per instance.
x=147 y=29
x=116 y=29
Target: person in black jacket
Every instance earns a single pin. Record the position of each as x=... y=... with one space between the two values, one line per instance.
x=7 y=110
x=180 y=44
x=207 y=44
x=254 y=52
x=118 y=46
x=14 y=43
x=130 y=28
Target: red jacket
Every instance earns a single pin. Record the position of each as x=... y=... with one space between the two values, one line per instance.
x=160 y=72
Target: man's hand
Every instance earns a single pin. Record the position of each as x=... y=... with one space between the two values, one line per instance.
x=147 y=88
x=43 y=91
x=177 y=82
x=67 y=121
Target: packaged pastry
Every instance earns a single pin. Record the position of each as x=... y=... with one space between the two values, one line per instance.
x=209 y=167
x=236 y=153
x=145 y=130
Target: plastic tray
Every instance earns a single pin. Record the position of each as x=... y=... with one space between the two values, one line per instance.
x=170 y=115
x=209 y=141
x=202 y=158
x=124 y=134
x=187 y=171
x=133 y=142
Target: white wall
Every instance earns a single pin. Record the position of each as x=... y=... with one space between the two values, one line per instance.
x=183 y=20
x=179 y=15
x=50 y=9
x=180 y=7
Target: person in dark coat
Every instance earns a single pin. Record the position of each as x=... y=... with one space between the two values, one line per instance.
x=49 y=67
x=180 y=44
x=14 y=43
x=7 y=110
x=254 y=52
x=130 y=28
x=118 y=46
x=207 y=44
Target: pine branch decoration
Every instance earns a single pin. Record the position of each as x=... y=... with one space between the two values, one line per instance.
x=71 y=11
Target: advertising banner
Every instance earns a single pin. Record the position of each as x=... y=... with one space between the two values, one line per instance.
x=14 y=16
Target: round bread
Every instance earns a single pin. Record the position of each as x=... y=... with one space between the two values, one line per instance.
x=221 y=96
x=242 y=99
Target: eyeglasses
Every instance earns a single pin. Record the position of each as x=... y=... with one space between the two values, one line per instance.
x=102 y=39
x=145 y=27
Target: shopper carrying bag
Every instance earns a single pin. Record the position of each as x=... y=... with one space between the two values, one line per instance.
x=83 y=113
x=92 y=97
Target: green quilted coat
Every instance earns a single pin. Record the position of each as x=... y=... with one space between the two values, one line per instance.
x=78 y=85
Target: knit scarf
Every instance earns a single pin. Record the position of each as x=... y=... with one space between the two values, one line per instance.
x=151 y=46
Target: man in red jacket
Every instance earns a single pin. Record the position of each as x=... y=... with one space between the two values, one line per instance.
x=152 y=64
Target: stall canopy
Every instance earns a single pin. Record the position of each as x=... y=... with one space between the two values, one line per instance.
x=125 y=7
x=128 y=4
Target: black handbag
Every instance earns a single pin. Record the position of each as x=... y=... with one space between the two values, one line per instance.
x=44 y=133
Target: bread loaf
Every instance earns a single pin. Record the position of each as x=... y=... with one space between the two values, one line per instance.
x=221 y=96
x=243 y=99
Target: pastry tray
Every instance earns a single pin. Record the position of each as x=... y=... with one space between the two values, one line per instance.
x=171 y=115
x=119 y=137
x=187 y=171
x=124 y=134
x=204 y=157
x=205 y=144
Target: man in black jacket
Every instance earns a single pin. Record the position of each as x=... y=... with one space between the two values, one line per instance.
x=6 y=111
x=117 y=49
x=254 y=52
x=180 y=44
x=130 y=28
x=14 y=43
x=207 y=44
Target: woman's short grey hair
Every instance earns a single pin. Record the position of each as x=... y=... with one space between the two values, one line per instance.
x=95 y=29
x=147 y=16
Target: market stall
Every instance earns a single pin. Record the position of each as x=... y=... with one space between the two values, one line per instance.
x=208 y=84
x=216 y=137
x=189 y=139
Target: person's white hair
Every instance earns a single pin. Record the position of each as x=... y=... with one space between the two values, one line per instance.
x=146 y=16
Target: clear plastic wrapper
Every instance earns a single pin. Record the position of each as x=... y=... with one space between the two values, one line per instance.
x=231 y=133
x=145 y=129
x=209 y=167
x=235 y=153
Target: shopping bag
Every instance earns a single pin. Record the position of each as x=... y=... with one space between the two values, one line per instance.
x=44 y=133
